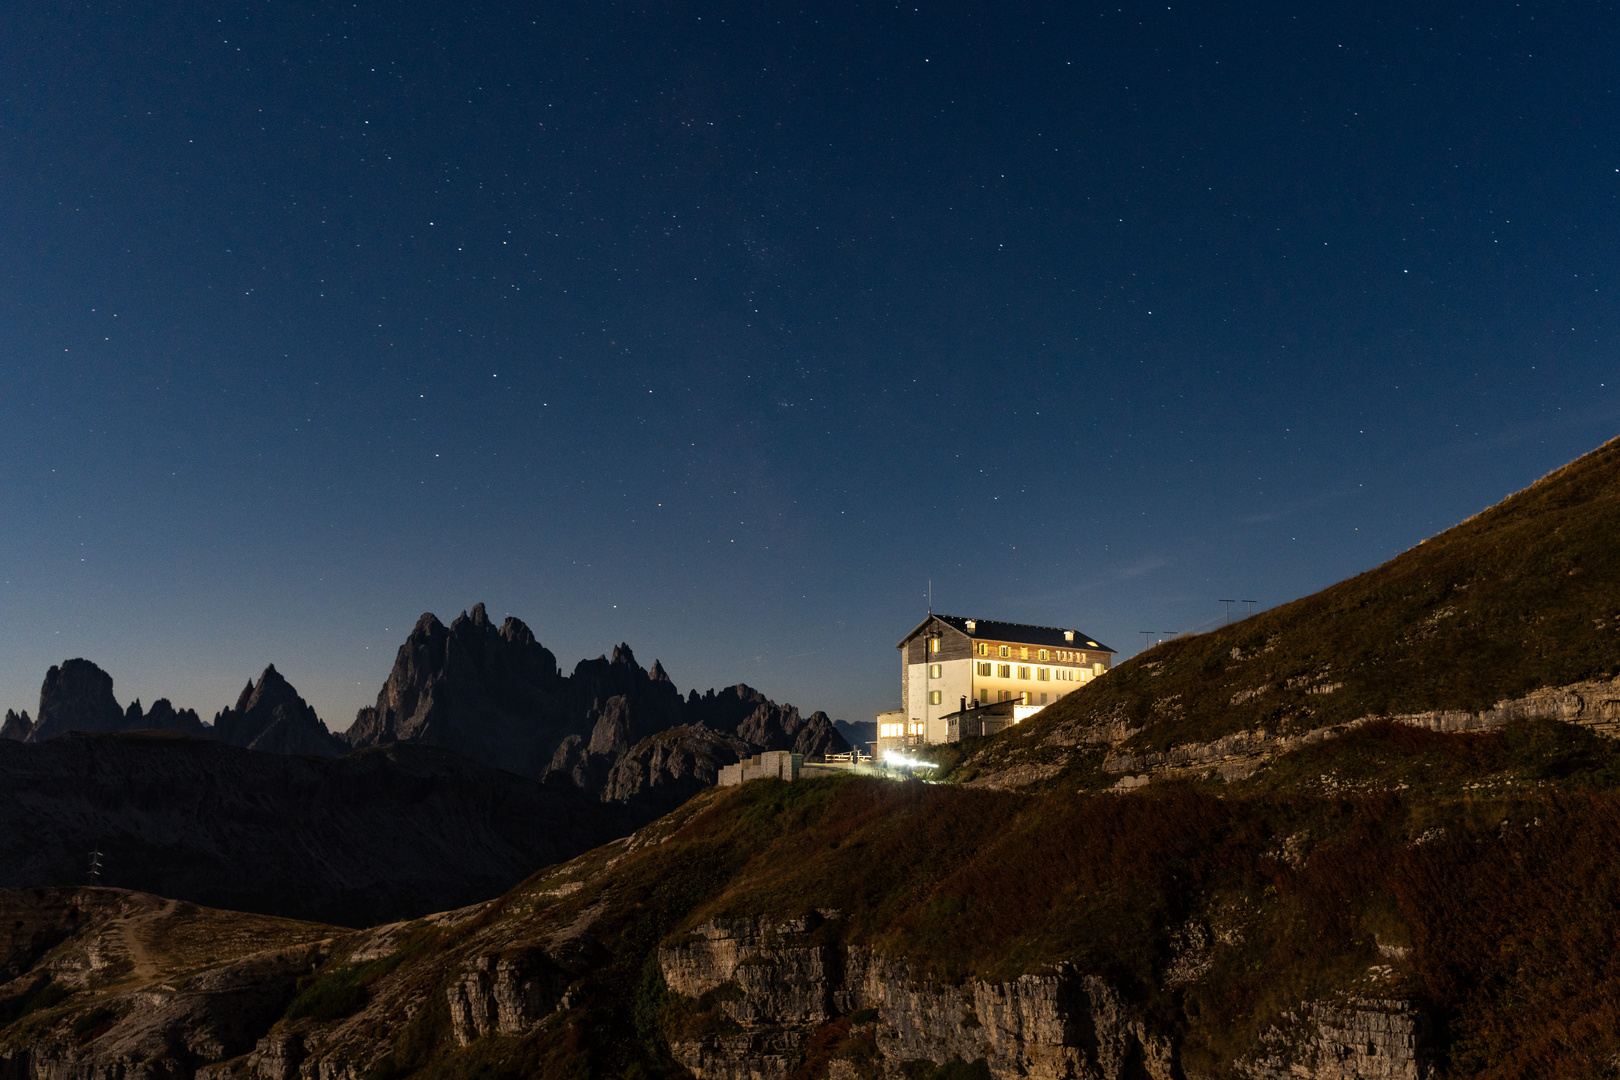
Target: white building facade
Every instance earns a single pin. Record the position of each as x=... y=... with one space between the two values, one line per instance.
x=948 y=662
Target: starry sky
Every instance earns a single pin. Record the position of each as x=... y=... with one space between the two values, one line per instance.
x=728 y=330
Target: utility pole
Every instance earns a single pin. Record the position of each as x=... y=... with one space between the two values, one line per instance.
x=95 y=866
x=1251 y=604
x=1228 y=604
x=1145 y=633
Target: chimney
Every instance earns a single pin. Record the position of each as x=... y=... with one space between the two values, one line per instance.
x=1068 y=635
x=972 y=625
x=964 y=704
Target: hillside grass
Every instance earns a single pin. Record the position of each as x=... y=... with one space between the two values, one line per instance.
x=1493 y=861
x=1522 y=596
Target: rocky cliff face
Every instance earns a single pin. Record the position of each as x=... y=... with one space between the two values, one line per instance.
x=611 y=728
x=153 y=983
x=772 y=986
x=664 y=770
x=490 y=693
x=76 y=696
x=763 y=724
x=271 y=716
x=16 y=727
x=163 y=716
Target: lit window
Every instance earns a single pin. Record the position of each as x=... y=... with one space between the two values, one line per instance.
x=914 y=728
x=933 y=697
x=934 y=670
x=1043 y=654
x=984 y=668
x=933 y=644
x=1023 y=672
x=1004 y=651
x=1097 y=669
x=889 y=731
x=1003 y=671
x=1042 y=675
x=1023 y=697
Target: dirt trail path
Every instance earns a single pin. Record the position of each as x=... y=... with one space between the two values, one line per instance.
x=146 y=968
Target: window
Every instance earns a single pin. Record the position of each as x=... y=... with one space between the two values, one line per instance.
x=934 y=670
x=1003 y=695
x=1023 y=697
x=1003 y=671
x=933 y=644
x=1004 y=651
x=1042 y=674
x=1023 y=652
x=915 y=727
x=889 y=731
x=984 y=696
x=982 y=649
x=1043 y=699
x=1096 y=669
x=984 y=668
x=933 y=697
x=1023 y=672
x=1043 y=655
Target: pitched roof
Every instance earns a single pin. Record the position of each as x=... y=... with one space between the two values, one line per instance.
x=1023 y=633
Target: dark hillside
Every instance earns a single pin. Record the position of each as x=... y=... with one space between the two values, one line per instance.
x=384 y=833
x=1522 y=596
x=857 y=927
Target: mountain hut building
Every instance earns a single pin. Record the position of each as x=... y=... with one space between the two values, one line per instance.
x=949 y=662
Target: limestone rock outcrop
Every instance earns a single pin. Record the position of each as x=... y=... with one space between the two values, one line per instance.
x=16 y=727
x=505 y=995
x=610 y=728
x=1353 y=1039
x=490 y=693
x=76 y=696
x=771 y=986
x=664 y=770
x=776 y=984
x=163 y=716
x=271 y=716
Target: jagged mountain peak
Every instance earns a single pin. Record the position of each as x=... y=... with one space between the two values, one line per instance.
x=76 y=696
x=271 y=690
x=271 y=715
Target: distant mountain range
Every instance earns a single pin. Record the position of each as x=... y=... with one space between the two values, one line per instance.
x=495 y=695
x=479 y=763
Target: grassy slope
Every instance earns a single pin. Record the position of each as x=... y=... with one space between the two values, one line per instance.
x=1297 y=877
x=1521 y=596
x=1505 y=908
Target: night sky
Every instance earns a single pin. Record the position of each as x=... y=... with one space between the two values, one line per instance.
x=723 y=329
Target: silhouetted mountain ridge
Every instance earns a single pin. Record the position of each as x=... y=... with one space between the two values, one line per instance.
x=496 y=695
